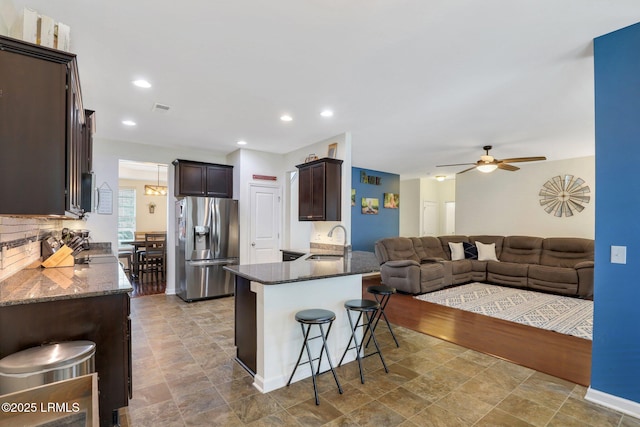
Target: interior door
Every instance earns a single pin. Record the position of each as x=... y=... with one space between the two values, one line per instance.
x=265 y=224
x=430 y=218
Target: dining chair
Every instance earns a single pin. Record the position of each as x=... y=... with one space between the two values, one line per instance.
x=153 y=255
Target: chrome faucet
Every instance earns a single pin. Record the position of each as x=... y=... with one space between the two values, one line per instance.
x=347 y=247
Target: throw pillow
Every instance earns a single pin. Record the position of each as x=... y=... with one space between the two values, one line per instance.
x=486 y=252
x=470 y=250
x=457 y=251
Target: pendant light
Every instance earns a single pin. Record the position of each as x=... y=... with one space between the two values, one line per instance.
x=156 y=190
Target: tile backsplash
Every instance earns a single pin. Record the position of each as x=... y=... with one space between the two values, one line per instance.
x=20 y=241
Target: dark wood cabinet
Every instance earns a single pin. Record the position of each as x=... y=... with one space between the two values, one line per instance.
x=320 y=190
x=203 y=179
x=41 y=131
x=101 y=319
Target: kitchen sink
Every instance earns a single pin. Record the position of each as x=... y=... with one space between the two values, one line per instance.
x=324 y=257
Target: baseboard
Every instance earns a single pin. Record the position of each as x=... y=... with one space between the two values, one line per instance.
x=616 y=403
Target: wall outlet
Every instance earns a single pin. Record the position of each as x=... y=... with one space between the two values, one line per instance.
x=618 y=254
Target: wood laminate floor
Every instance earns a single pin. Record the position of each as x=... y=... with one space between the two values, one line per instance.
x=556 y=354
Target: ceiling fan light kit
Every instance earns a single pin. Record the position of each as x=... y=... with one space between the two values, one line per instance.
x=488 y=168
x=488 y=163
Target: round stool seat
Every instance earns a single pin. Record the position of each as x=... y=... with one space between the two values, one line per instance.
x=361 y=305
x=381 y=290
x=315 y=315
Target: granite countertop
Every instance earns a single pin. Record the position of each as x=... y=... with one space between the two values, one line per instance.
x=274 y=273
x=100 y=275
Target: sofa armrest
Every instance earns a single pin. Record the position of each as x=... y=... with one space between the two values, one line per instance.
x=585 y=279
x=401 y=263
x=404 y=275
x=431 y=259
x=584 y=264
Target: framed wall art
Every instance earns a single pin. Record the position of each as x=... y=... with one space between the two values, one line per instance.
x=391 y=201
x=370 y=206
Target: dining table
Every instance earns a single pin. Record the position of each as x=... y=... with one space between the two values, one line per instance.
x=137 y=244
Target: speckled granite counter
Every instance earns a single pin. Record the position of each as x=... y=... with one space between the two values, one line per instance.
x=274 y=273
x=102 y=275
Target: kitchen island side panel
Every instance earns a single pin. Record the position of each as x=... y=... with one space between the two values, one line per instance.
x=245 y=324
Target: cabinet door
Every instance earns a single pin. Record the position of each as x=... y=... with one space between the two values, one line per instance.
x=318 y=191
x=305 y=194
x=32 y=135
x=312 y=193
x=219 y=181
x=192 y=179
x=74 y=146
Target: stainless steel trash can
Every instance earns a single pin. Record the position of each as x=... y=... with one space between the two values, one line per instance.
x=46 y=364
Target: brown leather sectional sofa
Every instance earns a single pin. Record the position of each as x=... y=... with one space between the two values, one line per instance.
x=416 y=265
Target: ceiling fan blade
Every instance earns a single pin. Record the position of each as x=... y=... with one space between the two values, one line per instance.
x=524 y=159
x=455 y=164
x=466 y=170
x=507 y=167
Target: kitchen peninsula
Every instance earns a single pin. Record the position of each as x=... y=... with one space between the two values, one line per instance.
x=88 y=301
x=267 y=297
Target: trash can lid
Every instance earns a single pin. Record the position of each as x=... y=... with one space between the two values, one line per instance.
x=47 y=357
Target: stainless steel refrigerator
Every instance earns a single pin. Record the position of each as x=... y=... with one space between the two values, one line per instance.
x=207 y=240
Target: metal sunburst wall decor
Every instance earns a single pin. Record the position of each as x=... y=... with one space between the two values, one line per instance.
x=564 y=195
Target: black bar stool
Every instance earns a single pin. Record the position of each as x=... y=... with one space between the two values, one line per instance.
x=382 y=294
x=366 y=310
x=315 y=316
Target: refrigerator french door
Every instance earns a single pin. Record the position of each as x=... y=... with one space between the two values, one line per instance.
x=207 y=240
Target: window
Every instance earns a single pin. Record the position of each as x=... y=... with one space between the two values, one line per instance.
x=126 y=214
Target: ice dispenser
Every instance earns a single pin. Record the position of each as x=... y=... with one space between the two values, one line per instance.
x=201 y=238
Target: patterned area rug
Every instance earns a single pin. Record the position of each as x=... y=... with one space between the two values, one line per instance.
x=566 y=315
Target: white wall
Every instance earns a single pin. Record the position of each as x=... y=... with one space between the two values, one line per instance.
x=106 y=154
x=247 y=163
x=507 y=203
x=410 y=208
x=413 y=193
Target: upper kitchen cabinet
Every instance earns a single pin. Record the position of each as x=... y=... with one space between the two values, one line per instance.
x=320 y=190
x=203 y=179
x=43 y=134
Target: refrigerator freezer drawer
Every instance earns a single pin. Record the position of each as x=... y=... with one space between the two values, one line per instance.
x=205 y=279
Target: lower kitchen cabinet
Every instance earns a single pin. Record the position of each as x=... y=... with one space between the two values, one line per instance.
x=101 y=319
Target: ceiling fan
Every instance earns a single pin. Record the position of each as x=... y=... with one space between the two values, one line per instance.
x=488 y=163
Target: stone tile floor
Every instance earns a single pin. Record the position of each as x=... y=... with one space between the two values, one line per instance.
x=184 y=374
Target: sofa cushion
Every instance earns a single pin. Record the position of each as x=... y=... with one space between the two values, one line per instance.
x=521 y=249
x=470 y=250
x=554 y=279
x=486 y=252
x=507 y=273
x=395 y=249
x=428 y=248
x=444 y=240
x=566 y=251
x=457 y=251
x=488 y=239
x=549 y=274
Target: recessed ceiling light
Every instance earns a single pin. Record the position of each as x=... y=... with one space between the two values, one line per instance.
x=327 y=113
x=242 y=142
x=142 y=83
x=440 y=178
x=128 y=123
x=286 y=118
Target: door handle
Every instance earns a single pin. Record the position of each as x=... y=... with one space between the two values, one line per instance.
x=253 y=244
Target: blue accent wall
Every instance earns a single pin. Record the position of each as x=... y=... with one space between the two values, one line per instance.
x=615 y=368
x=367 y=228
